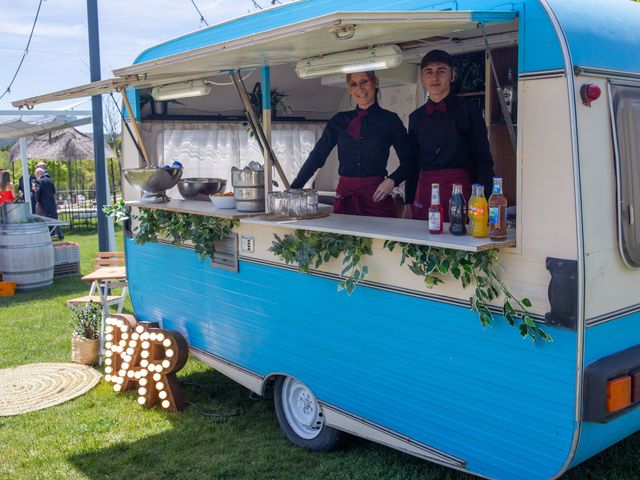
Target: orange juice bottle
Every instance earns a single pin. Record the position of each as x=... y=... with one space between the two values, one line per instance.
x=480 y=213
x=470 y=209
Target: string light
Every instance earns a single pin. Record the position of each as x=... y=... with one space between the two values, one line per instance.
x=26 y=51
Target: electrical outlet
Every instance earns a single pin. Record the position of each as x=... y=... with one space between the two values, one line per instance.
x=247 y=244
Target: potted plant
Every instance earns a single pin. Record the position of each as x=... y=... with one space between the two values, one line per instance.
x=86 y=334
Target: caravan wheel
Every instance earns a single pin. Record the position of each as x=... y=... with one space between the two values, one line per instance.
x=300 y=416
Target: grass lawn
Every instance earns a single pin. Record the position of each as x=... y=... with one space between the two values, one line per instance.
x=103 y=435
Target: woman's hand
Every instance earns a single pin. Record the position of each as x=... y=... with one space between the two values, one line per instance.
x=384 y=189
x=407 y=212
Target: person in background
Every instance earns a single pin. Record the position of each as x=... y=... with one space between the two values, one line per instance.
x=7 y=191
x=46 y=198
x=364 y=137
x=32 y=191
x=448 y=139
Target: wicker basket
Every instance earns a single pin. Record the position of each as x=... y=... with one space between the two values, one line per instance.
x=84 y=350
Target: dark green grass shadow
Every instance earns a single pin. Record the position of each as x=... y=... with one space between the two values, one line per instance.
x=246 y=445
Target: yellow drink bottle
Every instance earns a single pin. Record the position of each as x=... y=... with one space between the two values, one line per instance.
x=480 y=214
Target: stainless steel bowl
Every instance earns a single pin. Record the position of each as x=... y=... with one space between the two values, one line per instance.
x=153 y=181
x=199 y=188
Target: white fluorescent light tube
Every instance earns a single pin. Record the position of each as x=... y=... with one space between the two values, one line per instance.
x=377 y=58
x=194 y=88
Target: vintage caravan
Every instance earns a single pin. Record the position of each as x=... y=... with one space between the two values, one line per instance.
x=395 y=361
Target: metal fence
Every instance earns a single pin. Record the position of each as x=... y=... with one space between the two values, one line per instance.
x=78 y=207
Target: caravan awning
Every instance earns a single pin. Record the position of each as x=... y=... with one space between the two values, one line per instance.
x=41 y=122
x=322 y=35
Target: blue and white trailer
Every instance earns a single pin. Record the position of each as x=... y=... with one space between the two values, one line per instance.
x=397 y=363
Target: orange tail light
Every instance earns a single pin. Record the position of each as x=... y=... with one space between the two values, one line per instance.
x=618 y=393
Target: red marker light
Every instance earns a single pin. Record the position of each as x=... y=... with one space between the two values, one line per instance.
x=589 y=92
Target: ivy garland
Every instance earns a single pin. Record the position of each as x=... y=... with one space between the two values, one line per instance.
x=306 y=248
x=202 y=231
x=479 y=268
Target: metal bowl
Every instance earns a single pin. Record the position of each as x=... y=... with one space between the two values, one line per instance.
x=153 y=181
x=200 y=188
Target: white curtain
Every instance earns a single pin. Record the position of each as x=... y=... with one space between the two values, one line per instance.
x=211 y=149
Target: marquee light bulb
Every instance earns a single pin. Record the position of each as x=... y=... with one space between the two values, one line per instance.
x=142 y=400
x=162 y=395
x=168 y=353
x=142 y=391
x=166 y=404
x=142 y=381
x=167 y=342
x=160 y=386
x=157 y=377
x=144 y=363
x=117 y=388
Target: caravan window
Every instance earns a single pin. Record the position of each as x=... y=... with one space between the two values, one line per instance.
x=626 y=129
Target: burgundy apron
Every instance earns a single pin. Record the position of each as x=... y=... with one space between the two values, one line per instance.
x=446 y=177
x=354 y=196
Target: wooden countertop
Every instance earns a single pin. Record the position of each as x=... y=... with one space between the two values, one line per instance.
x=196 y=207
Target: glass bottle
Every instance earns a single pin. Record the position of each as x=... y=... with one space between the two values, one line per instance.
x=470 y=209
x=480 y=214
x=436 y=213
x=457 y=211
x=497 y=212
x=510 y=92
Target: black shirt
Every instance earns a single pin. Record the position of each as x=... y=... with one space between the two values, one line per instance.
x=456 y=138
x=363 y=157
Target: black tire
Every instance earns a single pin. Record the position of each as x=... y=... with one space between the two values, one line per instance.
x=326 y=439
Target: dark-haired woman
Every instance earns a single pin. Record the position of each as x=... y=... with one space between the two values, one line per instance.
x=364 y=137
x=7 y=192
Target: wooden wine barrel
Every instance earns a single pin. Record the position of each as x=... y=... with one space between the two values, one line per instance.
x=26 y=255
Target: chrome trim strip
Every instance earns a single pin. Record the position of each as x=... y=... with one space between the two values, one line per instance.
x=558 y=72
x=608 y=317
x=256 y=383
x=580 y=320
x=430 y=453
x=382 y=286
x=601 y=72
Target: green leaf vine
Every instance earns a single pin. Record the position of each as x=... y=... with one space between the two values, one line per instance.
x=472 y=268
x=307 y=249
x=203 y=231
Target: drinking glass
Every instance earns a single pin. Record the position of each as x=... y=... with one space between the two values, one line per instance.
x=311 y=197
x=297 y=202
x=278 y=204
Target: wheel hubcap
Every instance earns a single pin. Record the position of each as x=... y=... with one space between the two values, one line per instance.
x=301 y=409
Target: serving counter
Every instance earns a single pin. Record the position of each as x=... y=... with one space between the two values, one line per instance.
x=394 y=229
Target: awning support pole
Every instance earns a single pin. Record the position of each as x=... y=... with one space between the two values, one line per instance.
x=255 y=125
x=26 y=184
x=500 y=91
x=134 y=124
x=266 y=123
x=106 y=236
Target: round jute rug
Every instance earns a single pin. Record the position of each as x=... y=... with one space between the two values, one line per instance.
x=40 y=385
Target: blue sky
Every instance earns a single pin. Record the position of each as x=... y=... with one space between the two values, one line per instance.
x=59 y=54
